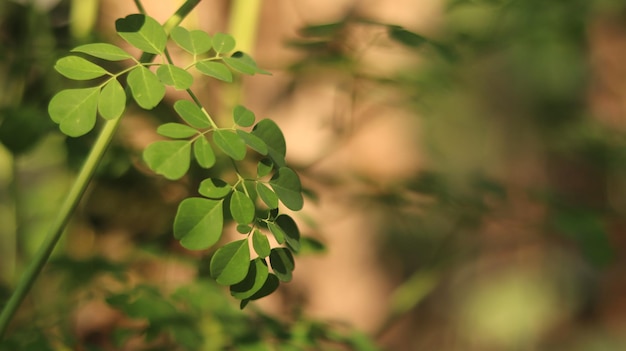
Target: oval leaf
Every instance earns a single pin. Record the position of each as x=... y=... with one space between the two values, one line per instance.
x=216 y=70
x=290 y=228
x=214 y=188
x=260 y=243
x=78 y=68
x=230 y=143
x=194 y=42
x=147 y=89
x=282 y=263
x=267 y=195
x=264 y=167
x=253 y=282
x=242 y=116
x=192 y=114
x=230 y=263
x=241 y=208
x=286 y=185
x=168 y=158
x=112 y=100
x=203 y=152
x=175 y=76
x=271 y=284
x=243 y=63
x=75 y=110
x=198 y=223
x=142 y=32
x=223 y=43
x=253 y=141
x=278 y=233
x=243 y=229
x=268 y=131
x=104 y=51
x=176 y=130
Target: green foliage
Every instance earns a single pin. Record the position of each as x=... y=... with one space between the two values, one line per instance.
x=199 y=221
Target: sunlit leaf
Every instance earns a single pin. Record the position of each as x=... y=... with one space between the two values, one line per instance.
x=254 y=142
x=230 y=143
x=103 y=51
x=168 y=158
x=78 y=68
x=142 y=32
x=267 y=195
x=253 y=282
x=282 y=263
x=271 y=284
x=260 y=243
x=75 y=110
x=175 y=76
x=146 y=88
x=286 y=185
x=264 y=167
x=270 y=133
x=216 y=70
x=242 y=116
x=112 y=100
x=290 y=228
x=195 y=41
x=223 y=43
x=241 y=208
x=243 y=229
x=203 y=152
x=192 y=114
x=198 y=223
x=243 y=63
x=176 y=130
x=278 y=233
x=214 y=188
x=229 y=265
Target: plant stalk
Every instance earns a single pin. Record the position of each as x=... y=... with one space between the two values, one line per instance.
x=75 y=194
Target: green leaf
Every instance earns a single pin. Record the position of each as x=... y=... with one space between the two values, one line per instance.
x=78 y=68
x=271 y=284
x=264 y=167
x=260 y=243
x=322 y=30
x=278 y=233
x=192 y=114
x=214 y=188
x=112 y=100
x=198 y=223
x=311 y=245
x=175 y=76
x=243 y=229
x=242 y=116
x=268 y=131
x=406 y=37
x=253 y=282
x=286 y=185
x=243 y=63
x=230 y=143
x=142 y=32
x=223 y=43
x=267 y=195
x=147 y=89
x=216 y=70
x=241 y=208
x=194 y=42
x=104 y=51
x=282 y=263
x=290 y=228
x=75 y=110
x=203 y=152
x=176 y=130
x=169 y=158
x=230 y=263
x=253 y=141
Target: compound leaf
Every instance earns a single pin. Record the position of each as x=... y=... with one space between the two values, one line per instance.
x=241 y=207
x=214 y=188
x=267 y=195
x=253 y=282
x=75 y=110
x=112 y=100
x=192 y=114
x=230 y=143
x=278 y=233
x=230 y=263
x=223 y=43
x=268 y=131
x=175 y=76
x=194 y=42
x=78 y=68
x=216 y=70
x=169 y=158
x=282 y=263
x=271 y=284
x=290 y=228
x=176 y=130
x=286 y=185
x=203 y=152
x=142 y=32
x=198 y=223
x=264 y=167
x=146 y=87
x=253 y=141
x=242 y=116
x=260 y=243
x=103 y=51
x=243 y=63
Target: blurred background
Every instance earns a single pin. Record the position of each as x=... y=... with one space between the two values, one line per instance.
x=465 y=162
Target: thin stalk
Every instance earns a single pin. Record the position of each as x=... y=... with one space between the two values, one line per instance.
x=75 y=194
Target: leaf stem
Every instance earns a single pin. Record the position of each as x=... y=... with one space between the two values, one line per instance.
x=75 y=194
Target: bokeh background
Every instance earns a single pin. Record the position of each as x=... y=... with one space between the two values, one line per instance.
x=465 y=162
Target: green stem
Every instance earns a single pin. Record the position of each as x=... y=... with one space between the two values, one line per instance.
x=73 y=197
